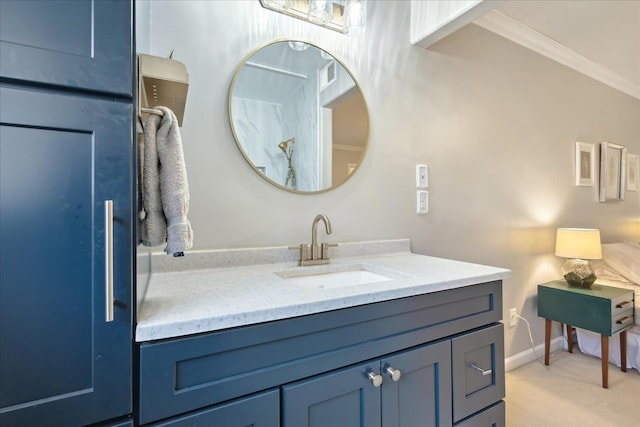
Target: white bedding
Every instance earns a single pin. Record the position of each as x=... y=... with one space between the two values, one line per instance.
x=619 y=267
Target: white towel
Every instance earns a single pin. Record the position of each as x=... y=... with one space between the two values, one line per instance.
x=165 y=189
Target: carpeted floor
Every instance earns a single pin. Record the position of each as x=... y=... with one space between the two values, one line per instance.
x=569 y=393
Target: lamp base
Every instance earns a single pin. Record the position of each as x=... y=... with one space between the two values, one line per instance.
x=578 y=273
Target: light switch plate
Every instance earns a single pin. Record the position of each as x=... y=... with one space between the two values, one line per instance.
x=422 y=178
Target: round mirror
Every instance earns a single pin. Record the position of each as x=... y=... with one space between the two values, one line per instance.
x=298 y=116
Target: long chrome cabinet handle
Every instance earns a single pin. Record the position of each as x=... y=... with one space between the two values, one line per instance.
x=108 y=259
x=483 y=371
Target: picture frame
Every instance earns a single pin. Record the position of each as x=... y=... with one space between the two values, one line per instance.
x=585 y=164
x=633 y=172
x=612 y=171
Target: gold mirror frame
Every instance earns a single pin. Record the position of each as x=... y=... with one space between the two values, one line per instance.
x=282 y=145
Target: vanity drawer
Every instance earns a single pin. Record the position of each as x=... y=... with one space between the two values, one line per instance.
x=478 y=370
x=493 y=417
x=188 y=373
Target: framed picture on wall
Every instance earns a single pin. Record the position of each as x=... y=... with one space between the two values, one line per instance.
x=612 y=171
x=633 y=172
x=585 y=164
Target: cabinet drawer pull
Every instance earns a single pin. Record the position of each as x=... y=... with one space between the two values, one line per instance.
x=625 y=319
x=376 y=379
x=108 y=259
x=484 y=371
x=622 y=304
x=393 y=373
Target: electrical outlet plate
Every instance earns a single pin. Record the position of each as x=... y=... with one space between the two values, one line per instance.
x=513 y=318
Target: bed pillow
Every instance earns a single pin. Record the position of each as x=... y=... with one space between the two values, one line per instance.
x=603 y=271
x=624 y=258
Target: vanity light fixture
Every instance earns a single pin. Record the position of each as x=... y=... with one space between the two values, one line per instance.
x=344 y=16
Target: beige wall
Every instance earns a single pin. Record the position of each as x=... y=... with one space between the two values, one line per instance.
x=495 y=122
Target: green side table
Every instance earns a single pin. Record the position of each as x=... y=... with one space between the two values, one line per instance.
x=605 y=310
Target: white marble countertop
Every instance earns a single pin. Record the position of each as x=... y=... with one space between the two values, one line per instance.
x=196 y=300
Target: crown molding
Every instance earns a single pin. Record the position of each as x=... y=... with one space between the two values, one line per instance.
x=517 y=32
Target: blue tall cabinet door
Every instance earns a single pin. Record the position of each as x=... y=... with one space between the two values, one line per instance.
x=68 y=43
x=62 y=362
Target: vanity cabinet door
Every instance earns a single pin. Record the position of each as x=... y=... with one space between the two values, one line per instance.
x=421 y=396
x=340 y=398
x=71 y=44
x=61 y=156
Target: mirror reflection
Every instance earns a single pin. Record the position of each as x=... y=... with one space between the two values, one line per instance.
x=298 y=116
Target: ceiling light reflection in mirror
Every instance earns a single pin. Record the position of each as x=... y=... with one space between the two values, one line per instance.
x=298 y=116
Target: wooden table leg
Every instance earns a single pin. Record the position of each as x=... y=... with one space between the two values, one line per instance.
x=623 y=351
x=604 y=350
x=569 y=338
x=547 y=340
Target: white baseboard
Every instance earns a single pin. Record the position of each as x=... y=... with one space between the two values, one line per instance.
x=530 y=355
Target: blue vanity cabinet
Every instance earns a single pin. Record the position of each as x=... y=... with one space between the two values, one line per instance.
x=320 y=363
x=81 y=45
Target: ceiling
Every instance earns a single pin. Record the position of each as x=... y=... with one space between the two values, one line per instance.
x=602 y=35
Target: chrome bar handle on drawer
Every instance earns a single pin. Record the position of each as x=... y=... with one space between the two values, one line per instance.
x=477 y=368
x=376 y=379
x=393 y=373
x=108 y=259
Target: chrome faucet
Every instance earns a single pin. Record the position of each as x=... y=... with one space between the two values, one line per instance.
x=319 y=252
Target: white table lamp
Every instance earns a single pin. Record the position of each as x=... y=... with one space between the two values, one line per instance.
x=578 y=245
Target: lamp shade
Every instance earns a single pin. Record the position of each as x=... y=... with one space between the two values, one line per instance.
x=583 y=243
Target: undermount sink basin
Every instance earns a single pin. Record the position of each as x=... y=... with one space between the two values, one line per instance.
x=332 y=277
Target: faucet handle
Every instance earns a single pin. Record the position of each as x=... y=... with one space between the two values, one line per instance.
x=325 y=249
x=304 y=251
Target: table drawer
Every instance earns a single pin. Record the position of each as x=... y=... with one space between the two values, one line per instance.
x=478 y=370
x=622 y=321
x=622 y=303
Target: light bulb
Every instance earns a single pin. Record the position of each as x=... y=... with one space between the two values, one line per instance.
x=355 y=18
x=279 y=4
x=320 y=11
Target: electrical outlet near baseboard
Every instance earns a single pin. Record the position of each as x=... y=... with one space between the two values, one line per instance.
x=513 y=317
